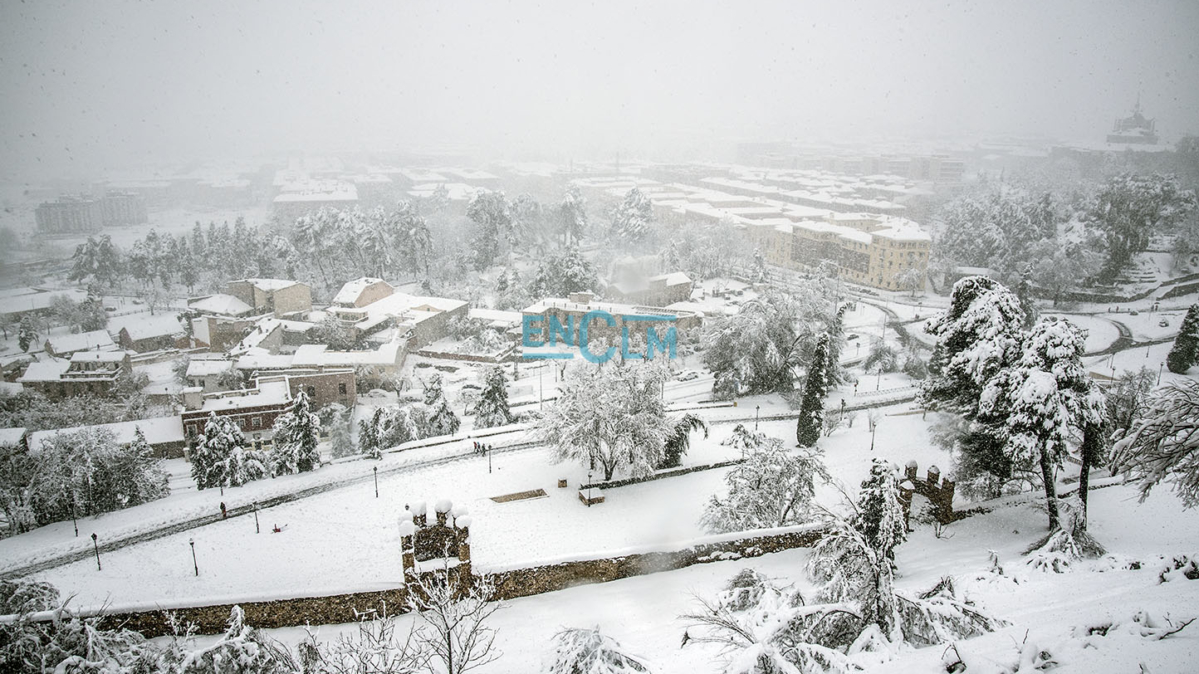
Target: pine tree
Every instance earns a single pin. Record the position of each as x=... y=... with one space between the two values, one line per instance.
x=811 y=410
x=341 y=442
x=27 y=333
x=297 y=433
x=221 y=459
x=492 y=408
x=368 y=435
x=1185 y=352
x=880 y=515
x=679 y=440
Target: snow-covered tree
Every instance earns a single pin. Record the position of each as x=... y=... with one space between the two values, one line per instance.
x=978 y=336
x=572 y=216
x=771 y=488
x=882 y=357
x=297 y=434
x=609 y=417
x=1185 y=351
x=454 y=627
x=331 y=332
x=86 y=472
x=1039 y=398
x=759 y=268
x=442 y=420
x=680 y=439
x=758 y=349
x=588 y=651
x=811 y=410
x=1126 y=400
x=1163 y=444
x=220 y=458
x=630 y=220
x=879 y=514
x=1131 y=208
x=493 y=217
x=27 y=333
x=241 y=649
x=492 y=408
x=337 y=418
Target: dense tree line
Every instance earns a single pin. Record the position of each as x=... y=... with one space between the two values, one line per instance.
x=77 y=474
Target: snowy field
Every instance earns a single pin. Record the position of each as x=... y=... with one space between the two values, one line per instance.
x=349 y=528
x=643 y=613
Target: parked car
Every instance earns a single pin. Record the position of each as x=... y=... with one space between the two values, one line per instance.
x=1134 y=313
x=688 y=375
x=1163 y=323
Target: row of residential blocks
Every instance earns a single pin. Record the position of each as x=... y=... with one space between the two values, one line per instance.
x=81 y=214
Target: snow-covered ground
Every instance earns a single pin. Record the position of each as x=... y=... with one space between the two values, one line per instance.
x=644 y=613
x=350 y=529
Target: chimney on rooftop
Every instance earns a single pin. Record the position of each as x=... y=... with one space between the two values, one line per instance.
x=582 y=298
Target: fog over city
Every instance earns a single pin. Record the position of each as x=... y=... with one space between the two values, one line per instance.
x=514 y=337
x=90 y=86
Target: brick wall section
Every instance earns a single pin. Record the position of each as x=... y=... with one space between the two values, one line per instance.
x=510 y=584
x=669 y=472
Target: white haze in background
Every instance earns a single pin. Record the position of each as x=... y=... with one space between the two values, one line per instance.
x=90 y=86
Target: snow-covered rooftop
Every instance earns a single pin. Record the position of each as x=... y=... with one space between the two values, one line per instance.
x=96 y=339
x=352 y=289
x=98 y=356
x=267 y=285
x=208 y=367
x=158 y=430
x=50 y=369
x=224 y=305
x=274 y=392
x=146 y=326
x=319 y=355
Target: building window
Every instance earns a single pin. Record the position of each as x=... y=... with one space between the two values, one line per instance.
x=256 y=422
x=341 y=388
x=241 y=423
x=191 y=430
x=311 y=391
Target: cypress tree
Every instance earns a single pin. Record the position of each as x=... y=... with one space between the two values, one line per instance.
x=811 y=410
x=1186 y=345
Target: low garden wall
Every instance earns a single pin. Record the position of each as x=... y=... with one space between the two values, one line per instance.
x=509 y=584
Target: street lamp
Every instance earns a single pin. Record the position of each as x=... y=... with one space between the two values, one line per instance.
x=73 y=520
x=487 y=448
x=1159 y=373
x=376 y=471
x=96 y=547
x=257 y=530
x=757 y=409
x=873 y=428
x=588 y=489
x=192 y=542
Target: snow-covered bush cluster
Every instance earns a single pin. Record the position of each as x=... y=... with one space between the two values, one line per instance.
x=77 y=474
x=773 y=487
x=588 y=651
x=763 y=628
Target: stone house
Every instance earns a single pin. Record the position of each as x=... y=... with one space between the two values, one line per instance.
x=277 y=296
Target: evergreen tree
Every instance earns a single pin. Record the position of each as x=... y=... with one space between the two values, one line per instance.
x=1185 y=352
x=879 y=515
x=492 y=408
x=491 y=213
x=221 y=458
x=27 y=333
x=811 y=410
x=297 y=433
x=341 y=442
x=368 y=435
x=443 y=421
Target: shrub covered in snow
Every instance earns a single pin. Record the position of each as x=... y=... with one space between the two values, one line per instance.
x=588 y=651
x=772 y=488
x=1163 y=443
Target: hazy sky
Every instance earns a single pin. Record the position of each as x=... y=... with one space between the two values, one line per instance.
x=85 y=85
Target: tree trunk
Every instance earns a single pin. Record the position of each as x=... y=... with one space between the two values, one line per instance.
x=1050 y=491
x=1090 y=450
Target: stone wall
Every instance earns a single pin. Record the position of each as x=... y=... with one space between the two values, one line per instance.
x=509 y=584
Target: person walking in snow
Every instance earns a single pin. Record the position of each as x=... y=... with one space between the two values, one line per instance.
x=224 y=513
